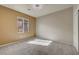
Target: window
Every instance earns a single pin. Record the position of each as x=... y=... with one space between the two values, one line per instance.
x=23 y=24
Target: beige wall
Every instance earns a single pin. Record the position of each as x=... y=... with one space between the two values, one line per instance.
x=8 y=26
x=57 y=26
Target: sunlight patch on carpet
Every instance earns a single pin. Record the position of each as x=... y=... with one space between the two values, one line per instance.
x=40 y=42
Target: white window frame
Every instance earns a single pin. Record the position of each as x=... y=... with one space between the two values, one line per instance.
x=23 y=19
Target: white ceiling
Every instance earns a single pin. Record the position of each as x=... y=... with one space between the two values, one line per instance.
x=47 y=8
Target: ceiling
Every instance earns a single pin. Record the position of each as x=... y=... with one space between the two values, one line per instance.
x=46 y=8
